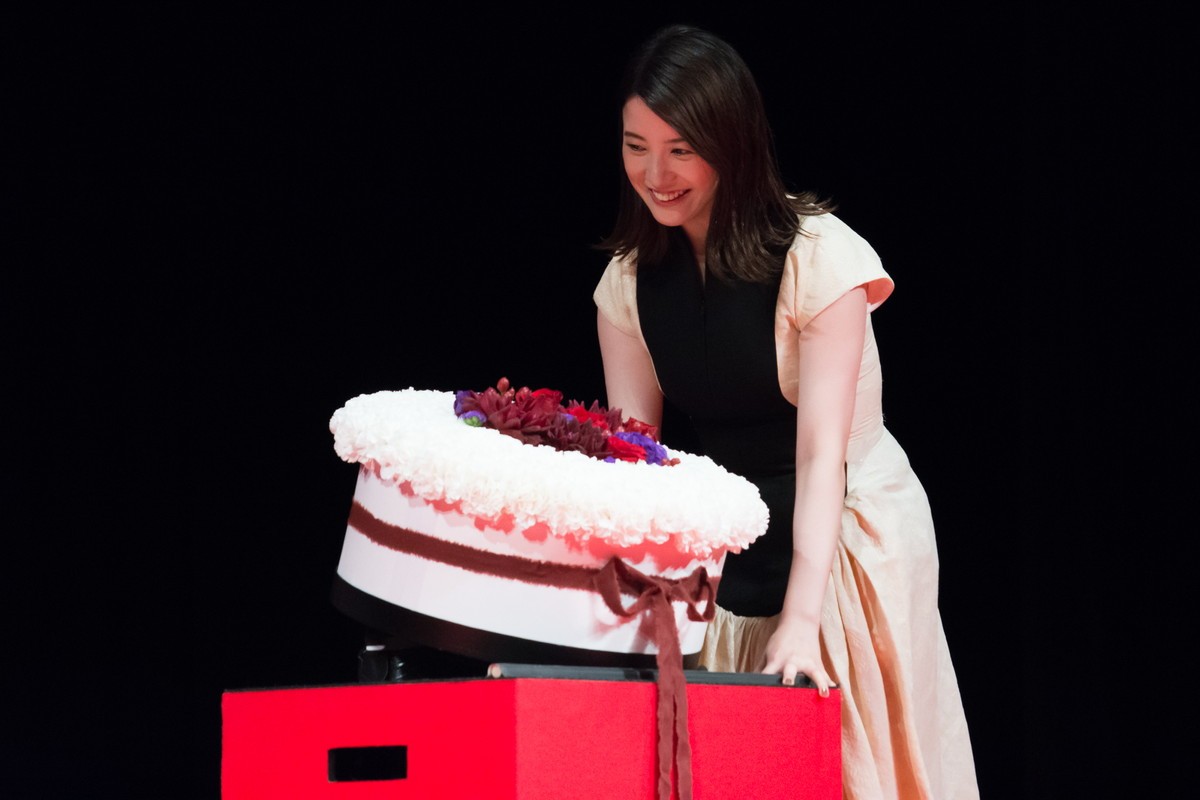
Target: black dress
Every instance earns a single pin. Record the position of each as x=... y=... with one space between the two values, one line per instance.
x=713 y=348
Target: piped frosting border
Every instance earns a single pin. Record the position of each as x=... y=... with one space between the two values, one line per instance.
x=412 y=437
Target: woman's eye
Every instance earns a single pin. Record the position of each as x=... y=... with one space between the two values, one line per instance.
x=636 y=148
x=679 y=151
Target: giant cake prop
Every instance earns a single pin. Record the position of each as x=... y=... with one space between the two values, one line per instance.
x=507 y=525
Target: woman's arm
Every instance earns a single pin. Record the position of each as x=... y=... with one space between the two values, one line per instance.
x=830 y=355
x=629 y=379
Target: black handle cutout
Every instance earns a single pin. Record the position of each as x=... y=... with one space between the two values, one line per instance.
x=386 y=763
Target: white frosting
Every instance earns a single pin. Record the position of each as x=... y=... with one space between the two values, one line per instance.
x=413 y=436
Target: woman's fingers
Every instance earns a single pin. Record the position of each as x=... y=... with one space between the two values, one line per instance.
x=790 y=669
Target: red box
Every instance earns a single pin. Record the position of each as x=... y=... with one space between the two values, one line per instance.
x=527 y=739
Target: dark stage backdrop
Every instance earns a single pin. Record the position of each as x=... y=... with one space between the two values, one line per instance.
x=398 y=203
x=378 y=202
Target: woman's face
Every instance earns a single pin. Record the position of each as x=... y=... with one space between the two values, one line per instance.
x=674 y=182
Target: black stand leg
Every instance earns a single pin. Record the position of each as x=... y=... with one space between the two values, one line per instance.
x=386 y=659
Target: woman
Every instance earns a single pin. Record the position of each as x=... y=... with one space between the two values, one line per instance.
x=750 y=309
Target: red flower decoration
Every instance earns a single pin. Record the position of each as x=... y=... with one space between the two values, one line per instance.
x=637 y=426
x=539 y=417
x=626 y=451
x=597 y=418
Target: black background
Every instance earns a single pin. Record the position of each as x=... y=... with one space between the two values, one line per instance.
x=292 y=209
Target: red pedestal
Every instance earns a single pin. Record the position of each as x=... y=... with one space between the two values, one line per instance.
x=525 y=739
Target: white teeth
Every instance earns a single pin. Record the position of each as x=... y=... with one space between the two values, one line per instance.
x=663 y=198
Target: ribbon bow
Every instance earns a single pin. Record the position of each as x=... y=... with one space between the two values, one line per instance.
x=655 y=595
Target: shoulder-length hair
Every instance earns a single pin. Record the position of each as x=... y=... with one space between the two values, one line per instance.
x=699 y=85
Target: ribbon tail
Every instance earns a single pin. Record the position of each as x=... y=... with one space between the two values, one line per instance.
x=683 y=745
x=672 y=705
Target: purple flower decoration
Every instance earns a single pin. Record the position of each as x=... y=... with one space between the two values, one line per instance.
x=473 y=418
x=655 y=452
x=459 y=396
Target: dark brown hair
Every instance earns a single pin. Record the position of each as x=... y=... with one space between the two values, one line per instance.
x=699 y=85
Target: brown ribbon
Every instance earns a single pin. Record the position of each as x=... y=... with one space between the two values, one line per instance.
x=654 y=596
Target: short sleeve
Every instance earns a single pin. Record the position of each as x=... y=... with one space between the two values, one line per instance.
x=825 y=264
x=827 y=260
x=616 y=295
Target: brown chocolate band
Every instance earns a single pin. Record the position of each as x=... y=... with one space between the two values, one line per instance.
x=528 y=570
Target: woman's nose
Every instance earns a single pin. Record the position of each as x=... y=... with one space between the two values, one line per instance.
x=657 y=170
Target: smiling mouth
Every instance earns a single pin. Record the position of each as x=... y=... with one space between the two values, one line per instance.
x=666 y=197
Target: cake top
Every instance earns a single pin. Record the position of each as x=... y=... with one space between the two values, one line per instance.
x=416 y=438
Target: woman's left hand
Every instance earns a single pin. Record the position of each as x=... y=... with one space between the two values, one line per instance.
x=795 y=648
